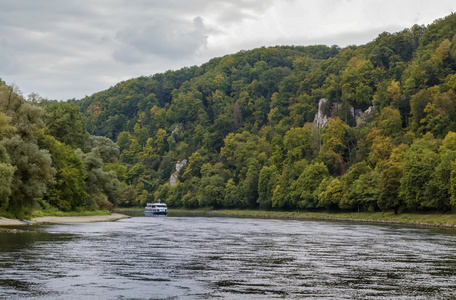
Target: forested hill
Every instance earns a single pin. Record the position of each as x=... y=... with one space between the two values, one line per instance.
x=242 y=127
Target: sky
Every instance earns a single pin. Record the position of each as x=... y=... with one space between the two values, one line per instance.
x=65 y=49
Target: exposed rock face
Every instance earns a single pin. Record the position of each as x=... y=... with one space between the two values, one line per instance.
x=320 y=118
x=361 y=117
x=179 y=166
x=177 y=131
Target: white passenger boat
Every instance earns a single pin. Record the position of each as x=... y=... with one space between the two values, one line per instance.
x=156 y=209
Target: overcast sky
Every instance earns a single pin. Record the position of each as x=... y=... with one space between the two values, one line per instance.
x=63 y=49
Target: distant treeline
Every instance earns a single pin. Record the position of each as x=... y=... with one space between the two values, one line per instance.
x=245 y=123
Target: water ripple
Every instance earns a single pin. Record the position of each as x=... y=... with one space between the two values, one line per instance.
x=227 y=258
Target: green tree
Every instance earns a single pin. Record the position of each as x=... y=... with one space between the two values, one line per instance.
x=390 y=122
x=419 y=164
x=68 y=192
x=440 y=185
x=364 y=192
x=267 y=182
x=6 y=169
x=34 y=172
x=195 y=163
x=102 y=186
x=123 y=140
x=232 y=195
x=390 y=183
x=250 y=184
x=65 y=122
x=33 y=166
x=381 y=147
x=333 y=146
x=418 y=103
x=332 y=194
x=306 y=186
x=281 y=197
x=299 y=144
x=357 y=81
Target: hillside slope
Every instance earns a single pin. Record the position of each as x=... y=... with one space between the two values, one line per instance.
x=242 y=126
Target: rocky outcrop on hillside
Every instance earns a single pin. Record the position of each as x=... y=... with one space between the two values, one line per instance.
x=361 y=117
x=175 y=175
x=321 y=120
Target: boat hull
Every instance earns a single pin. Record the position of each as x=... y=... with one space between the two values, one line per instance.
x=155 y=213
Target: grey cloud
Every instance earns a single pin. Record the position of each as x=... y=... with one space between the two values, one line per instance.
x=8 y=63
x=70 y=48
x=162 y=36
x=238 y=10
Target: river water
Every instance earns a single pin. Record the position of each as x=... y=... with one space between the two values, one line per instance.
x=227 y=258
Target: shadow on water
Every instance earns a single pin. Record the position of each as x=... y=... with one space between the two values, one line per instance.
x=17 y=259
x=14 y=239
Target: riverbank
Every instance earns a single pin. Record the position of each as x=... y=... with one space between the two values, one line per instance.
x=434 y=220
x=64 y=219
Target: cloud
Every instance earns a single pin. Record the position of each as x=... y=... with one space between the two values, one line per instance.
x=65 y=49
x=162 y=36
x=8 y=63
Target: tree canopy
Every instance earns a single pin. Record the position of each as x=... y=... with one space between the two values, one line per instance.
x=367 y=127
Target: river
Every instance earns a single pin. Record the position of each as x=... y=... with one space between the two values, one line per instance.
x=227 y=258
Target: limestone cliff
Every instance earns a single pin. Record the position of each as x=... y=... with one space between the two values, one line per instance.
x=175 y=175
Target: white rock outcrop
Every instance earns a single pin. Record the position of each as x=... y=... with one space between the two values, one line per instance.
x=175 y=175
x=321 y=120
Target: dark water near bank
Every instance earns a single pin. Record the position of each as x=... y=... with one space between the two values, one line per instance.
x=227 y=258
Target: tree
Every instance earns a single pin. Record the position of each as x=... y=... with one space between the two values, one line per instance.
x=68 y=192
x=395 y=90
x=101 y=185
x=419 y=164
x=332 y=194
x=240 y=147
x=232 y=195
x=34 y=172
x=364 y=192
x=65 y=122
x=440 y=186
x=390 y=182
x=299 y=144
x=390 y=122
x=6 y=169
x=282 y=196
x=306 y=186
x=123 y=141
x=418 y=104
x=267 y=182
x=334 y=144
x=381 y=148
x=104 y=147
x=357 y=80
x=33 y=166
x=195 y=163
x=210 y=191
x=160 y=138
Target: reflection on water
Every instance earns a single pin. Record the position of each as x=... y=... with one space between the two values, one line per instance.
x=227 y=258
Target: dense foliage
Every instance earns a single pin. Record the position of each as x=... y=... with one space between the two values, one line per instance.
x=362 y=128
x=49 y=161
x=246 y=124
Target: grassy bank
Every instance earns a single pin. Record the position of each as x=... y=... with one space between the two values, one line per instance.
x=58 y=213
x=54 y=213
x=440 y=220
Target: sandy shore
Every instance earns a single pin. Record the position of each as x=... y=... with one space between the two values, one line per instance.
x=51 y=220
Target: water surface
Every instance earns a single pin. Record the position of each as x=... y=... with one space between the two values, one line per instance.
x=227 y=258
